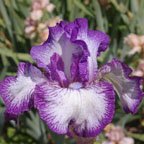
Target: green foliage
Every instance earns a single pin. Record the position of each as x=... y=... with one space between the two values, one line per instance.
x=118 y=18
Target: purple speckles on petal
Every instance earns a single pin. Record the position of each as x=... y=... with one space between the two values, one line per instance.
x=42 y=54
x=90 y=108
x=17 y=92
x=99 y=38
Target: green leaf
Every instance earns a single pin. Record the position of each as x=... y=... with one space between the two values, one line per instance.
x=35 y=128
x=125 y=18
x=5 y=61
x=134 y=6
x=119 y=6
x=9 y=53
x=58 y=139
x=127 y=119
x=99 y=17
x=3 y=73
x=6 y=18
x=136 y=136
x=82 y=7
x=2 y=110
x=24 y=57
x=15 y=56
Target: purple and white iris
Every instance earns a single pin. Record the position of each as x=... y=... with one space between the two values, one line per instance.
x=66 y=87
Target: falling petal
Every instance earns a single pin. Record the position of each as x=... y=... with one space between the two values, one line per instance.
x=126 y=86
x=88 y=109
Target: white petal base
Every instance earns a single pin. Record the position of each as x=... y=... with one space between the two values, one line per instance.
x=89 y=109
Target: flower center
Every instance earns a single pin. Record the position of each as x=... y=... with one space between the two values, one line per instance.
x=75 y=85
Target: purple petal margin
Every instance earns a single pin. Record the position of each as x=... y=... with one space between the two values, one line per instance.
x=127 y=86
x=17 y=91
x=88 y=110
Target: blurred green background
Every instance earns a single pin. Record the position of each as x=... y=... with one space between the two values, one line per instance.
x=19 y=32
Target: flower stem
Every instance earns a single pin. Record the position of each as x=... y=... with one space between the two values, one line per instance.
x=81 y=140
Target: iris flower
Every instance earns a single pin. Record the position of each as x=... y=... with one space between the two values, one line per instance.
x=67 y=87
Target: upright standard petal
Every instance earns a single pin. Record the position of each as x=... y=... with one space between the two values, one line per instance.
x=17 y=92
x=88 y=109
x=56 y=68
x=126 y=86
x=42 y=53
x=92 y=42
x=99 y=39
x=97 y=42
x=71 y=40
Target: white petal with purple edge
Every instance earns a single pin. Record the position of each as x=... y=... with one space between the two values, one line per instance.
x=68 y=49
x=17 y=92
x=97 y=41
x=42 y=54
x=89 y=109
x=126 y=86
x=68 y=39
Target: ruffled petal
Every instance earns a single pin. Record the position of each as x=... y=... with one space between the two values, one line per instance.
x=68 y=50
x=56 y=68
x=92 y=42
x=56 y=32
x=17 y=92
x=88 y=110
x=97 y=42
x=99 y=39
x=42 y=53
x=126 y=86
x=72 y=40
x=61 y=45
